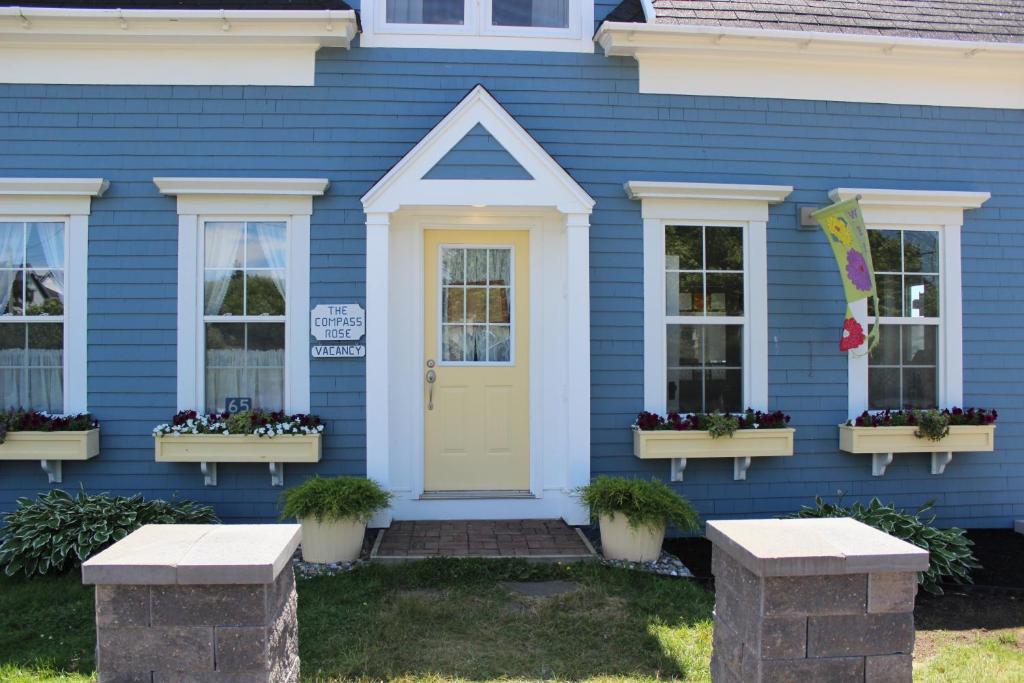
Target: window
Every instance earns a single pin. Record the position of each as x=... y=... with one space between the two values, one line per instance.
x=32 y=315
x=476 y=306
x=903 y=368
x=555 y=25
x=705 y=294
x=245 y=280
x=243 y=290
x=704 y=309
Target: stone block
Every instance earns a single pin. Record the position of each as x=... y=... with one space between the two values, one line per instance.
x=141 y=649
x=122 y=606
x=732 y=575
x=864 y=634
x=806 y=595
x=241 y=649
x=892 y=592
x=223 y=605
x=126 y=677
x=783 y=638
x=834 y=670
x=889 y=669
x=208 y=677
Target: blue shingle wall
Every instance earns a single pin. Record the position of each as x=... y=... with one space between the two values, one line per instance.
x=478 y=156
x=371 y=106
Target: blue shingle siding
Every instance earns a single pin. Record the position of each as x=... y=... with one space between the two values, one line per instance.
x=371 y=106
x=478 y=156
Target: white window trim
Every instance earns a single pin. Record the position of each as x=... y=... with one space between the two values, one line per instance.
x=68 y=200
x=919 y=210
x=477 y=32
x=282 y=199
x=665 y=204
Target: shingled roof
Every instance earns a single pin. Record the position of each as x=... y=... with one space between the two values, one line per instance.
x=974 y=20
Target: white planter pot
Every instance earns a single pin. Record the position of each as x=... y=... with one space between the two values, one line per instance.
x=620 y=541
x=334 y=541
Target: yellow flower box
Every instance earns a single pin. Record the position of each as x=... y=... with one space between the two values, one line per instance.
x=51 y=445
x=883 y=442
x=227 y=448
x=744 y=444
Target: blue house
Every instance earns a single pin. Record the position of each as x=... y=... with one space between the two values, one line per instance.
x=512 y=226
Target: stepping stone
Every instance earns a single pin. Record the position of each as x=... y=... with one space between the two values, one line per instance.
x=541 y=589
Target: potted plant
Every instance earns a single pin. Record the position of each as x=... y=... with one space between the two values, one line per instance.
x=633 y=514
x=939 y=432
x=333 y=514
x=30 y=435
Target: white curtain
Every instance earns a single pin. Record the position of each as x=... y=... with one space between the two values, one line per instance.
x=269 y=236
x=11 y=379
x=535 y=13
x=51 y=236
x=550 y=13
x=11 y=253
x=262 y=380
x=220 y=241
x=405 y=11
x=425 y=11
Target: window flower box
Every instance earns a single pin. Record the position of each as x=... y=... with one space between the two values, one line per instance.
x=249 y=437
x=679 y=439
x=885 y=434
x=50 y=439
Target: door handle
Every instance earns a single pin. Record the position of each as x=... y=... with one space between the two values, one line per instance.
x=431 y=378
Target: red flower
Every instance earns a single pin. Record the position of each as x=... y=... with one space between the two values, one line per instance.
x=853 y=335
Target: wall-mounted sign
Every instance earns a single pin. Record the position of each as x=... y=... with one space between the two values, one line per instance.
x=339 y=351
x=337 y=322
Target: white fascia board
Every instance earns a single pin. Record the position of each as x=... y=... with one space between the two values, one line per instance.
x=808 y=65
x=912 y=198
x=770 y=194
x=310 y=187
x=650 y=15
x=323 y=28
x=66 y=187
x=167 y=47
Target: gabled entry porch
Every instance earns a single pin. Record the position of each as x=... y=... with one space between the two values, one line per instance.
x=478 y=325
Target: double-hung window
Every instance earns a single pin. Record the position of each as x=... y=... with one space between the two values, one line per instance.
x=705 y=295
x=915 y=249
x=903 y=370
x=243 y=291
x=44 y=240
x=556 y=25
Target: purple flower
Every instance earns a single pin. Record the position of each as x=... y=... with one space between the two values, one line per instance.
x=857 y=270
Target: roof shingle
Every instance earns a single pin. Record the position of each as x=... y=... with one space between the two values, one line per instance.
x=980 y=20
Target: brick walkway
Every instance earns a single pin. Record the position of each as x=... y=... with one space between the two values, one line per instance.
x=530 y=538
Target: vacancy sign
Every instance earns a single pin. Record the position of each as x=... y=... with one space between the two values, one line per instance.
x=338 y=323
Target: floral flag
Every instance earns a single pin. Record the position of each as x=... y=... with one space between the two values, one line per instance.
x=843 y=224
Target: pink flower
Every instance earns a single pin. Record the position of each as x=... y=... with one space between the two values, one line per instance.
x=857 y=270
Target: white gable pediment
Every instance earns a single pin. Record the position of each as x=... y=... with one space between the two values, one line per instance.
x=405 y=184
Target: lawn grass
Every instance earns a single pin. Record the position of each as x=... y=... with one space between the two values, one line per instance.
x=438 y=621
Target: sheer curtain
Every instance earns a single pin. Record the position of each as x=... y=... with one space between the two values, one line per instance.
x=532 y=13
x=270 y=237
x=12 y=246
x=425 y=11
x=220 y=242
x=262 y=379
x=51 y=237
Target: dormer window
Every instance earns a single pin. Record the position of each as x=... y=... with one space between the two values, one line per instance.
x=547 y=25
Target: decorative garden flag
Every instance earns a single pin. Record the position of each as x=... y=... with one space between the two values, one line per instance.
x=843 y=224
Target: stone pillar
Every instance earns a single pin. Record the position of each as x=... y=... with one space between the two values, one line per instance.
x=197 y=604
x=812 y=600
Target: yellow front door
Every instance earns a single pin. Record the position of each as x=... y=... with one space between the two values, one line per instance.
x=476 y=360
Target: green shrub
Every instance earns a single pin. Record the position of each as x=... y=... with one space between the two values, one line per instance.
x=335 y=499
x=950 y=555
x=644 y=503
x=57 y=532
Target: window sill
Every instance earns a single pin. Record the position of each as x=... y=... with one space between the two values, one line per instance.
x=698 y=445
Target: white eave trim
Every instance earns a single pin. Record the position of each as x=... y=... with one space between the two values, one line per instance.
x=650 y=15
x=63 y=187
x=912 y=198
x=309 y=187
x=769 y=194
x=167 y=47
x=744 y=62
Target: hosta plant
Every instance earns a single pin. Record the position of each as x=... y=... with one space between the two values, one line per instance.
x=33 y=421
x=58 y=531
x=950 y=556
x=255 y=422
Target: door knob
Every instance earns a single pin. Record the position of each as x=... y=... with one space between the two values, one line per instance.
x=431 y=378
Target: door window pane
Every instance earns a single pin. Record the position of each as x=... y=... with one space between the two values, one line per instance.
x=705 y=370
x=532 y=13
x=426 y=12
x=476 y=308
